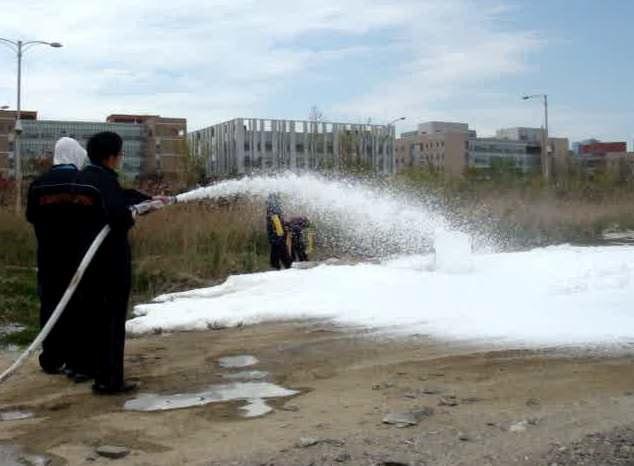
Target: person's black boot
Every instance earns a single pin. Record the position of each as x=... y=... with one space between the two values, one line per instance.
x=125 y=387
x=50 y=367
x=81 y=378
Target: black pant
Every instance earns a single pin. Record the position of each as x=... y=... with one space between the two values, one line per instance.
x=279 y=255
x=110 y=316
x=81 y=337
x=299 y=249
x=54 y=350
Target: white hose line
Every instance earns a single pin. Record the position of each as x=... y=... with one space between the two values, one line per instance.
x=68 y=294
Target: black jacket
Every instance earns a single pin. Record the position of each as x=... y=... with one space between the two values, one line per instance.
x=56 y=222
x=111 y=268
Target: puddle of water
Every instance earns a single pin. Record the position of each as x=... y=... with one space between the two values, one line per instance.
x=11 y=328
x=14 y=455
x=255 y=408
x=15 y=415
x=246 y=375
x=253 y=392
x=242 y=360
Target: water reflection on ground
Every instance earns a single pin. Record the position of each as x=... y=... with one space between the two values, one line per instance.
x=250 y=389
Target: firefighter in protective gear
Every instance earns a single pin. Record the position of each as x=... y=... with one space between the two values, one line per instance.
x=298 y=238
x=277 y=234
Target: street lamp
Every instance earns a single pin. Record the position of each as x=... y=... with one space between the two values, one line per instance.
x=545 y=156
x=19 y=47
x=391 y=123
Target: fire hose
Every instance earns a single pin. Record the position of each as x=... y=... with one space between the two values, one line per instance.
x=138 y=209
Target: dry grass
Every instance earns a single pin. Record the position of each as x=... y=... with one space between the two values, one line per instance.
x=195 y=244
x=17 y=241
x=181 y=247
x=198 y=244
x=525 y=212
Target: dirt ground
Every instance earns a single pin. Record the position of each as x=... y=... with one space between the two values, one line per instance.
x=470 y=405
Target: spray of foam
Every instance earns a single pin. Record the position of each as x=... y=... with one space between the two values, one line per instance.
x=359 y=218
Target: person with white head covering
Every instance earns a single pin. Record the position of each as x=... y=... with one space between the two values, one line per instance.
x=69 y=152
x=50 y=210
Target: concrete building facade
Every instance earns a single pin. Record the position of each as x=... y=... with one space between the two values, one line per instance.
x=164 y=145
x=519 y=133
x=152 y=145
x=7 y=125
x=600 y=148
x=251 y=145
x=440 y=152
x=454 y=149
x=593 y=157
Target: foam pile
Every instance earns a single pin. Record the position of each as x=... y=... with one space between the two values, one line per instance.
x=554 y=295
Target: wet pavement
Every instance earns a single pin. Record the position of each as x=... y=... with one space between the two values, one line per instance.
x=15 y=415
x=246 y=375
x=13 y=455
x=243 y=360
x=251 y=390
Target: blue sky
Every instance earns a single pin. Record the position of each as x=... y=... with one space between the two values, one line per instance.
x=458 y=60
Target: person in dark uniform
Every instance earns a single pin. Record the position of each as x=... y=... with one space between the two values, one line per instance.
x=277 y=234
x=106 y=286
x=296 y=227
x=51 y=210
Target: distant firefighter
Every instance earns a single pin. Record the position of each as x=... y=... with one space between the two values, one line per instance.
x=300 y=241
x=276 y=233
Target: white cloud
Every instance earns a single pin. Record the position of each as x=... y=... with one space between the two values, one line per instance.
x=214 y=60
x=457 y=50
x=203 y=60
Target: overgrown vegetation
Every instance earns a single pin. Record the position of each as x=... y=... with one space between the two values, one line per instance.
x=18 y=289
x=193 y=245
x=522 y=210
x=182 y=247
x=198 y=244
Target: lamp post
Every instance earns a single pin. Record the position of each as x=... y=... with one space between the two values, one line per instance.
x=19 y=47
x=545 y=156
x=390 y=125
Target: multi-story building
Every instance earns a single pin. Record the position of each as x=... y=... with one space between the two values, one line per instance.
x=454 y=149
x=152 y=145
x=249 y=145
x=439 y=148
x=598 y=148
x=164 y=145
x=594 y=156
x=558 y=149
x=521 y=134
x=503 y=154
x=7 y=124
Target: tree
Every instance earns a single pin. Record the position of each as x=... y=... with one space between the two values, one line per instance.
x=352 y=162
x=315 y=116
x=193 y=171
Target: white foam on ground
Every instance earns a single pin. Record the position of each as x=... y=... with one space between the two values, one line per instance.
x=555 y=295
